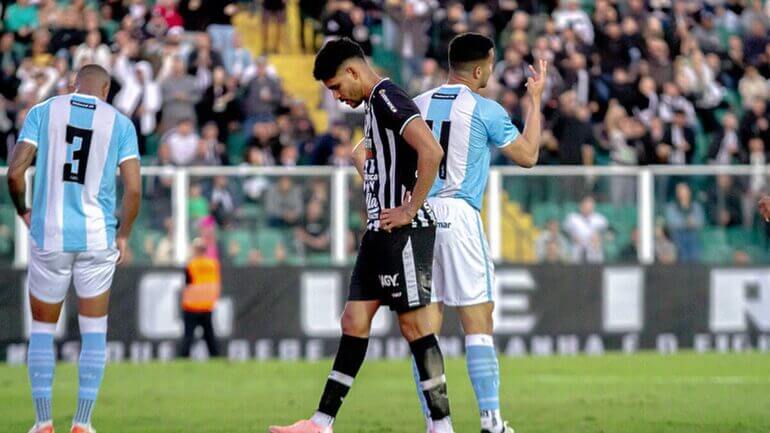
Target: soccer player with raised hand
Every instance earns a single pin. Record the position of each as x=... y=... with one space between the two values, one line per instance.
x=468 y=126
x=398 y=160
x=80 y=142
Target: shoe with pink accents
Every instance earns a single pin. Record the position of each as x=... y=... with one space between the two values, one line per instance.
x=303 y=426
x=44 y=427
x=82 y=428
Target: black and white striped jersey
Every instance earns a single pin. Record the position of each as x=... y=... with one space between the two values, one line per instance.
x=390 y=169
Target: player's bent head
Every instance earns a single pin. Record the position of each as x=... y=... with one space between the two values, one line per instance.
x=339 y=64
x=472 y=53
x=93 y=79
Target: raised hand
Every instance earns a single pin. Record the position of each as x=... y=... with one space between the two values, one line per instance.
x=536 y=83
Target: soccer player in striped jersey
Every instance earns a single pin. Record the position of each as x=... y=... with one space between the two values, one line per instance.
x=79 y=141
x=468 y=126
x=398 y=162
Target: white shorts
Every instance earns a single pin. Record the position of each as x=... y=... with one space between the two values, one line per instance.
x=50 y=272
x=463 y=271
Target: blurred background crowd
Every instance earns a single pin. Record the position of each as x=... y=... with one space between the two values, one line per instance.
x=227 y=83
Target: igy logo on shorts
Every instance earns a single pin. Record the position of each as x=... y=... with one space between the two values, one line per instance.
x=389 y=280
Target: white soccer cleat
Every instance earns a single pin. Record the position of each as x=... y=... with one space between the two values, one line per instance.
x=82 y=428
x=506 y=429
x=302 y=426
x=46 y=427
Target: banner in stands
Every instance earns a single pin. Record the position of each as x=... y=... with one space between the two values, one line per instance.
x=293 y=313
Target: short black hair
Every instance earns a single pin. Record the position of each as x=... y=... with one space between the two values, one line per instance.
x=467 y=48
x=332 y=55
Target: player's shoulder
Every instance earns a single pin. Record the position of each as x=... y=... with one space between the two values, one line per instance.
x=389 y=94
x=488 y=108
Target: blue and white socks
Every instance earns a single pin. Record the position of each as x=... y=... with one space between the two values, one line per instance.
x=41 y=362
x=93 y=357
x=484 y=372
x=421 y=397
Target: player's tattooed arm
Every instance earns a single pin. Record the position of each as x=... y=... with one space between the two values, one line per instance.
x=429 y=155
x=525 y=150
x=21 y=159
x=358 y=156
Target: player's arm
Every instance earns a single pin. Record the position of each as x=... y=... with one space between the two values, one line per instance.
x=358 y=155
x=429 y=155
x=22 y=158
x=525 y=149
x=132 y=194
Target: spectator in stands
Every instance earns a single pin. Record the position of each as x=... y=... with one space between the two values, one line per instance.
x=723 y=203
x=239 y=61
x=630 y=253
x=678 y=146
x=139 y=97
x=726 y=148
x=741 y=258
x=665 y=250
x=755 y=41
x=22 y=19
x=685 y=219
x=263 y=95
x=219 y=103
x=197 y=205
x=551 y=242
x=321 y=150
x=312 y=234
x=586 y=230
x=753 y=86
x=431 y=76
x=412 y=19
x=166 y=9
x=202 y=61
x=283 y=203
x=182 y=143
x=572 y=131
x=163 y=254
x=570 y=15
x=222 y=203
x=210 y=150
x=309 y=13
x=756 y=122
x=273 y=15
x=360 y=32
x=9 y=62
x=265 y=138
x=92 y=51
x=180 y=94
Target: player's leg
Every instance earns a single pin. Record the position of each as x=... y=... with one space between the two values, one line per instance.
x=436 y=316
x=363 y=302
x=92 y=274
x=411 y=256
x=356 y=324
x=483 y=367
x=417 y=329
x=48 y=277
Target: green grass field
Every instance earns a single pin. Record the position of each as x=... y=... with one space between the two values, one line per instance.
x=615 y=394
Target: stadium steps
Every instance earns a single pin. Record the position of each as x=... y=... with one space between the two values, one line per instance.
x=294 y=68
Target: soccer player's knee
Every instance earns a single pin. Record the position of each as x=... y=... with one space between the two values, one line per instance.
x=413 y=329
x=355 y=325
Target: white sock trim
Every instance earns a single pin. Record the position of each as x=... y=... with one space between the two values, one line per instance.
x=36 y=327
x=429 y=384
x=322 y=420
x=479 y=340
x=341 y=378
x=443 y=425
x=90 y=325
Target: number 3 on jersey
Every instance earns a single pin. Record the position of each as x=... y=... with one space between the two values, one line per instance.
x=78 y=146
x=443 y=140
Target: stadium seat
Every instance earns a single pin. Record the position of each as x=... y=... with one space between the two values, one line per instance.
x=267 y=241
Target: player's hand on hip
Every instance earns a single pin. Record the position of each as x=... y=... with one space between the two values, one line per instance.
x=122 y=244
x=395 y=217
x=536 y=83
x=764 y=207
x=27 y=217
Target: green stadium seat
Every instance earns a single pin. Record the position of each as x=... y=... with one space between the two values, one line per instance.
x=542 y=212
x=237 y=244
x=266 y=241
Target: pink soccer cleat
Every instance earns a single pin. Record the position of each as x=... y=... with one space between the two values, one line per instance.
x=303 y=426
x=46 y=427
x=82 y=428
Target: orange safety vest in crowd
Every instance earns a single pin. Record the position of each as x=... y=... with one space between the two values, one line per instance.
x=205 y=284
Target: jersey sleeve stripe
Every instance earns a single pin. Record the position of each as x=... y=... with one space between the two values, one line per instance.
x=28 y=140
x=126 y=158
x=406 y=122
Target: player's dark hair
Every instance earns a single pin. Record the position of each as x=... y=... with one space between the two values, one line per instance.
x=332 y=55
x=468 y=48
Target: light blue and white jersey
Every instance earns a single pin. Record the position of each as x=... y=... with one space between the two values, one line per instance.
x=81 y=140
x=466 y=125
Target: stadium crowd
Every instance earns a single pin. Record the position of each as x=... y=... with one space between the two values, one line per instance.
x=634 y=82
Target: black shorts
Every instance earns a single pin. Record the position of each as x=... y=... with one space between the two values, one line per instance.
x=394 y=268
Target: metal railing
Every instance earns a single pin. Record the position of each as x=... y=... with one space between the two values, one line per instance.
x=340 y=202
